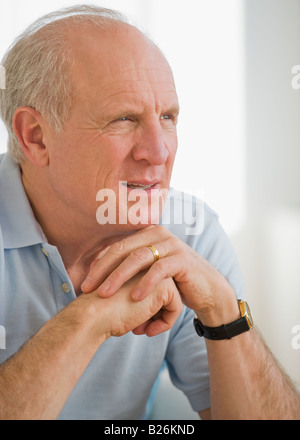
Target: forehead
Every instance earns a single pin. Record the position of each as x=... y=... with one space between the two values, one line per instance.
x=119 y=64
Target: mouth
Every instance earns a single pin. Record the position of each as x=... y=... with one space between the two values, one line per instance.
x=140 y=186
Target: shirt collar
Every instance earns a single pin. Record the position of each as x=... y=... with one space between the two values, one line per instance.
x=17 y=221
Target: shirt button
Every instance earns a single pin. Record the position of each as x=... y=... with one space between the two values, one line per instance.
x=66 y=287
x=45 y=252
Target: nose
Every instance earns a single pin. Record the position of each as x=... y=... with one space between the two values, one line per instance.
x=151 y=145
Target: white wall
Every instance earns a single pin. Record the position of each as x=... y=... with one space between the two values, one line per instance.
x=269 y=244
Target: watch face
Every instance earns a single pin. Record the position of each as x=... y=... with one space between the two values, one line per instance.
x=248 y=315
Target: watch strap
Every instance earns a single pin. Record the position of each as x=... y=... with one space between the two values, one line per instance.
x=225 y=331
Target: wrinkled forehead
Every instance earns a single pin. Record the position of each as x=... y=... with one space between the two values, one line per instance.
x=101 y=58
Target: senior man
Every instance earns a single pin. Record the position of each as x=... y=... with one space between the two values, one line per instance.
x=90 y=105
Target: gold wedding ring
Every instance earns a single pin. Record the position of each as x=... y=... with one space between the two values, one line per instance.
x=154 y=251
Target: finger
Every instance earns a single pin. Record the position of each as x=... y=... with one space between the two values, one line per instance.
x=161 y=323
x=87 y=286
x=117 y=252
x=102 y=267
x=99 y=256
x=169 y=267
x=167 y=317
x=138 y=260
x=141 y=329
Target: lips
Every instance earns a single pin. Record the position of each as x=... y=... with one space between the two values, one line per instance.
x=141 y=186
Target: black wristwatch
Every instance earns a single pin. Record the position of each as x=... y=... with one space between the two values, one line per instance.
x=227 y=331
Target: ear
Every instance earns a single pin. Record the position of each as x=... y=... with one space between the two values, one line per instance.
x=29 y=127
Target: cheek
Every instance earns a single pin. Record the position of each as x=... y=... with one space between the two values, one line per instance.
x=71 y=172
x=174 y=144
x=114 y=156
x=172 y=155
x=171 y=159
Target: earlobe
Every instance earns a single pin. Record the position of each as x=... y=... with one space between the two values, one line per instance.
x=28 y=127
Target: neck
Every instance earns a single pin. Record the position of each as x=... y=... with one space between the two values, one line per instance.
x=79 y=238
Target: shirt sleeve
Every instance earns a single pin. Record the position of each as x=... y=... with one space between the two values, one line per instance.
x=187 y=363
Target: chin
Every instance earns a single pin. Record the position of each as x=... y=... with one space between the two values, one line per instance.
x=138 y=225
x=130 y=212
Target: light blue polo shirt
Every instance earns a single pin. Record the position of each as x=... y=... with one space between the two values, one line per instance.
x=34 y=286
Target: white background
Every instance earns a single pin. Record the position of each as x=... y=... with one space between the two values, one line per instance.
x=239 y=132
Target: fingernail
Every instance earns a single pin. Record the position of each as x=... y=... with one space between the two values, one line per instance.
x=136 y=294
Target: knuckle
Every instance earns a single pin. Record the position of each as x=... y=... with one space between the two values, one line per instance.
x=174 y=242
x=116 y=276
x=155 y=275
x=161 y=230
x=118 y=248
x=147 y=228
x=95 y=272
x=149 y=280
x=141 y=255
x=98 y=267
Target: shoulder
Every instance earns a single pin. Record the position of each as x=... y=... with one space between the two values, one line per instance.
x=189 y=218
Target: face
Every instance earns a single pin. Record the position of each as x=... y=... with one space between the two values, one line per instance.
x=119 y=144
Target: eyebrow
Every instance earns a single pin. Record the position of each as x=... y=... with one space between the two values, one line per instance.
x=130 y=111
x=174 y=109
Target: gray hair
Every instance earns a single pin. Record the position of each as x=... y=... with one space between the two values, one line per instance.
x=36 y=67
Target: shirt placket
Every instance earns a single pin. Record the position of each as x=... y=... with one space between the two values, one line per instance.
x=62 y=285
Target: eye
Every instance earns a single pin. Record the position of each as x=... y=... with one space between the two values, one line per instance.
x=128 y=118
x=122 y=123
x=119 y=122
x=169 y=118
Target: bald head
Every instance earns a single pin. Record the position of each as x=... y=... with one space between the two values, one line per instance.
x=117 y=53
x=120 y=129
x=42 y=67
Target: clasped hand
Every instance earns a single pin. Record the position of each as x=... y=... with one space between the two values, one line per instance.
x=199 y=284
